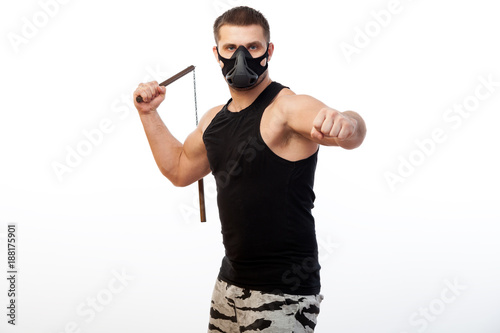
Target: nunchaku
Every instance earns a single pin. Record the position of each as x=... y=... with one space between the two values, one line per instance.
x=165 y=83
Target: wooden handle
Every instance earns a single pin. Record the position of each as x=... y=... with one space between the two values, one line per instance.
x=170 y=80
x=201 y=193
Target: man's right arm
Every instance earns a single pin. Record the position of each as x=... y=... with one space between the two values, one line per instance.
x=182 y=164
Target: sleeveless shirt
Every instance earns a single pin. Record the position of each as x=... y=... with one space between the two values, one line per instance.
x=265 y=204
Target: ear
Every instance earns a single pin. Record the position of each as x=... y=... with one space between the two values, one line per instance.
x=270 y=51
x=216 y=55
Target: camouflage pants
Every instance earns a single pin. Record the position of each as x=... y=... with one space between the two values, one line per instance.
x=236 y=310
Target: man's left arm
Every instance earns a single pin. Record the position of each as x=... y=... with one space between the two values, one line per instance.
x=317 y=122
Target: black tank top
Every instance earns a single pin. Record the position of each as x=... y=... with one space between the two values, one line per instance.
x=265 y=205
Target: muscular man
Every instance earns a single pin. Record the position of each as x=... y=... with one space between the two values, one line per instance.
x=261 y=147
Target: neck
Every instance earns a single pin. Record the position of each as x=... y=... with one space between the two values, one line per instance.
x=244 y=98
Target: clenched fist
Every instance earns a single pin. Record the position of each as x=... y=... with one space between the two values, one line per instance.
x=152 y=95
x=331 y=123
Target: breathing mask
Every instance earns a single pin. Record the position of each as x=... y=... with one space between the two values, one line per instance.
x=242 y=70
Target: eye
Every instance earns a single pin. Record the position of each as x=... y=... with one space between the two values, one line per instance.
x=231 y=48
x=253 y=48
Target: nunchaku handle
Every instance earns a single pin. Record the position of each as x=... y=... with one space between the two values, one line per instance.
x=170 y=80
x=201 y=193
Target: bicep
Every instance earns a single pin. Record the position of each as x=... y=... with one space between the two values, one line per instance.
x=193 y=164
x=300 y=112
x=193 y=160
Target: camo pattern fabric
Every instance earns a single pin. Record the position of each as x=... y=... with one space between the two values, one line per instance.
x=234 y=310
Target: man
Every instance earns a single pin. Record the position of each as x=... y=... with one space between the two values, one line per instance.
x=262 y=149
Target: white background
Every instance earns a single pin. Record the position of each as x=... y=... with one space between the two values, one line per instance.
x=387 y=252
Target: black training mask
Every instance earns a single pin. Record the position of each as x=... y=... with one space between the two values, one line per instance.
x=241 y=70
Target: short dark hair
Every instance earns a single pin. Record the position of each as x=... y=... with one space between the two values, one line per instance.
x=242 y=16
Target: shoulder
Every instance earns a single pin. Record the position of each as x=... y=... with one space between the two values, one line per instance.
x=282 y=102
x=206 y=119
x=288 y=104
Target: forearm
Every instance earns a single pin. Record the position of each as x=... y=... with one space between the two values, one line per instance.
x=356 y=139
x=165 y=147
